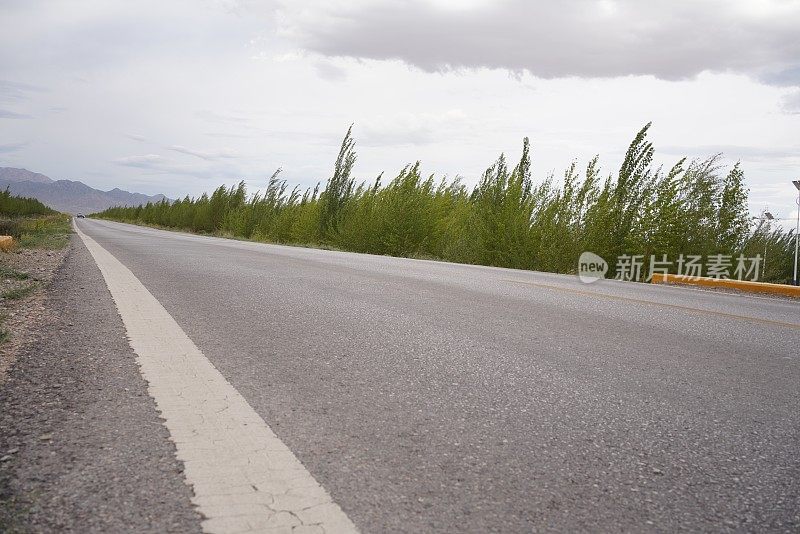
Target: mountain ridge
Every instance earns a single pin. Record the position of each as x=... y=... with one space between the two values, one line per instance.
x=67 y=195
x=14 y=174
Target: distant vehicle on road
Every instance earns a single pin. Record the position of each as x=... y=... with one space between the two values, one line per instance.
x=81 y=216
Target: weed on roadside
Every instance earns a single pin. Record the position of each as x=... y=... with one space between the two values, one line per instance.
x=4 y=334
x=51 y=232
x=18 y=292
x=13 y=274
x=10 y=227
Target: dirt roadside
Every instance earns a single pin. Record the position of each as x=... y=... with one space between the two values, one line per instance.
x=24 y=274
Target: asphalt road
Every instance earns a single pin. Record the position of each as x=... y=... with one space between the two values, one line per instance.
x=433 y=397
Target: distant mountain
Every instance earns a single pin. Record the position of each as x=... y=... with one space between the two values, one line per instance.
x=66 y=195
x=10 y=174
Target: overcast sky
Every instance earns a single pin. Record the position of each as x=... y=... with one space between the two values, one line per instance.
x=177 y=97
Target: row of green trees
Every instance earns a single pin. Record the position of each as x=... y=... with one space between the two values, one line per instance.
x=694 y=207
x=14 y=206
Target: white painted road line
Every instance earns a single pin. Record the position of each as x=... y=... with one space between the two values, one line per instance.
x=244 y=478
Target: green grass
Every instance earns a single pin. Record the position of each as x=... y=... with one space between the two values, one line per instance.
x=7 y=272
x=4 y=334
x=33 y=226
x=10 y=227
x=51 y=232
x=19 y=292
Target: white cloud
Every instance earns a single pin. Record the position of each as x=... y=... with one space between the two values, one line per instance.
x=410 y=128
x=776 y=154
x=790 y=103
x=330 y=71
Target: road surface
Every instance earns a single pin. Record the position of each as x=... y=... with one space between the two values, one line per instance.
x=434 y=397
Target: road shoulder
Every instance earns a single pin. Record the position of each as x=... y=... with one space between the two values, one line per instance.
x=24 y=272
x=83 y=448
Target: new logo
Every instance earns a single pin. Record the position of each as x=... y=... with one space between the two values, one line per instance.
x=591 y=268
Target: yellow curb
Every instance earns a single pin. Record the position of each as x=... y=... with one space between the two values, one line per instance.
x=741 y=285
x=6 y=243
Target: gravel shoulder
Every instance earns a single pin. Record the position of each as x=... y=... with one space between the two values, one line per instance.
x=23 y=273
x=82 y=447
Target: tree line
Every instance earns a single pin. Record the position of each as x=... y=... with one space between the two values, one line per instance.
x=14 y=206
x=695 y=207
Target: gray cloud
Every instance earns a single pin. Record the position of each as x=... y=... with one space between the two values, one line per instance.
x=232 y=135
x=8 y=114
x=205 y=155
x=145 y=161
x=221 y=118
x=672 y=40
x=11 y=147
x=16 y=91
x=301 y=137
x=157 y=164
